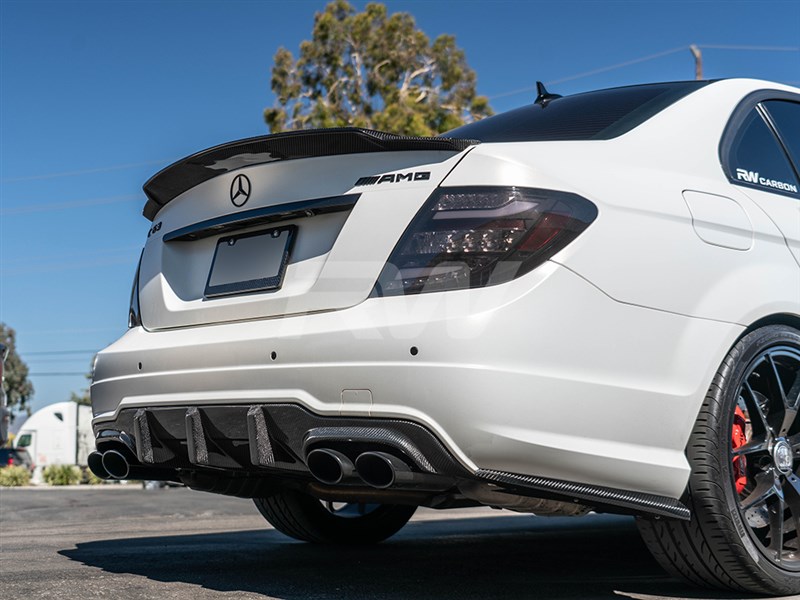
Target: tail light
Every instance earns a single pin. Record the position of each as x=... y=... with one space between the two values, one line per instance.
x=471 y=237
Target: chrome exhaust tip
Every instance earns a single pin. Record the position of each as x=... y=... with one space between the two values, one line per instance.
x=95 y=462
x=381 y=470
x=116 y=465
x=329 y=466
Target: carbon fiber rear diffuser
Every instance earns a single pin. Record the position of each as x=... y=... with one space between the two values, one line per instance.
x=250 y=441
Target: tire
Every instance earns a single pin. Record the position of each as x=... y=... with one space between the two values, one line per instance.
x=735 y=538
x=305 y=518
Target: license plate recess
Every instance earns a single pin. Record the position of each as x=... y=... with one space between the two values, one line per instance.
x=250 y=262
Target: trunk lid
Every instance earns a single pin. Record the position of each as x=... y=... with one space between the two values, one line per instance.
x=343 y=212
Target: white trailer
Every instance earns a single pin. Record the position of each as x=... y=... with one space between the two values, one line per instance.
x=5 y=414
x=58 y=434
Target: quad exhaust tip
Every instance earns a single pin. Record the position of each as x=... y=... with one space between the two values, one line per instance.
x=382 y=470
x=329 y=466
x=376 y=469
x=95 y=462
x=115 y=465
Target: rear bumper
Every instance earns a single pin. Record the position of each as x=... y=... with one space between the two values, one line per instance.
x=247 y=450
x=545 y=376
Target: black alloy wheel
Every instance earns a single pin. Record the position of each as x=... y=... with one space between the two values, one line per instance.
x=744 y=489
x=766 y=459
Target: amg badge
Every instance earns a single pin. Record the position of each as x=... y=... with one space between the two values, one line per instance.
x=394 y=178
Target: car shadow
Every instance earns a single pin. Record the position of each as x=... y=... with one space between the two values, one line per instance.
x=498 y=557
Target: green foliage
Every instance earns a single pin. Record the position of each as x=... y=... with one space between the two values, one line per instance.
x=14 y=476
x=82 y=398
x=19 y=390
x=61 y=475
x=373 y=70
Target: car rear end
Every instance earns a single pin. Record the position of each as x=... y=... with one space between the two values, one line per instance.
x=314 y=301
x=16 y=457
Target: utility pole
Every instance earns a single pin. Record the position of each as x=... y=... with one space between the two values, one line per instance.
x=698 y=61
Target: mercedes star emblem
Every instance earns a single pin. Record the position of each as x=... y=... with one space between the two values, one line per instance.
x=240 y=190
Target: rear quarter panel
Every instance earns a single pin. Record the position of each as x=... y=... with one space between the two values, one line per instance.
x=643 y=248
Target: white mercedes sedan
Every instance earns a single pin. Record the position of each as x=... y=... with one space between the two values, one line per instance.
x=591 y=303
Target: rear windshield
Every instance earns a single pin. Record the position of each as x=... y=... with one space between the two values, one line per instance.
x=599 y=115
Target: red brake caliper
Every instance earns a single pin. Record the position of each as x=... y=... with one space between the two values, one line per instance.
x=739 y=439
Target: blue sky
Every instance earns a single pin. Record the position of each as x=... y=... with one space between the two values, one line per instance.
x=97 y=96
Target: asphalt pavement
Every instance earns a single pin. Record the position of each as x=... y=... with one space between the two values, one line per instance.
x=125 y=542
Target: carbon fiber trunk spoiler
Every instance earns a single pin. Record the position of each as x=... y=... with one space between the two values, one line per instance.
x=172 y=181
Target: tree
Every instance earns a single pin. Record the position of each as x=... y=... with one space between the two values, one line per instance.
x=84 y=397
x=376 y=71
x=19 y=389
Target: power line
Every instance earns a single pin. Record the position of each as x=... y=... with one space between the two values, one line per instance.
x=42 y=353
x=48 y=259
x=70 y=374
x=80 y=203
x=751 y=48
x=87 y=171
x=68 y=331
x=70 y=266
x=627 y=63
x=595 y=71
x=634 y=61
x=61 y=359
x=36 y=208
x=646 y=58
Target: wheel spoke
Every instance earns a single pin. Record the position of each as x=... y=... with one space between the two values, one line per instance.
x=788 y=400
x=789 y=416
x=791 y=494
x=776 y=526
x=775 y=382
x=751 y=448
x=765 y=488
x=793 y=396
x=754 y=408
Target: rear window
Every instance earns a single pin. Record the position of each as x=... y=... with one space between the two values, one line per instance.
x=599 y=115
x=757 y=160
x=786 y=116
